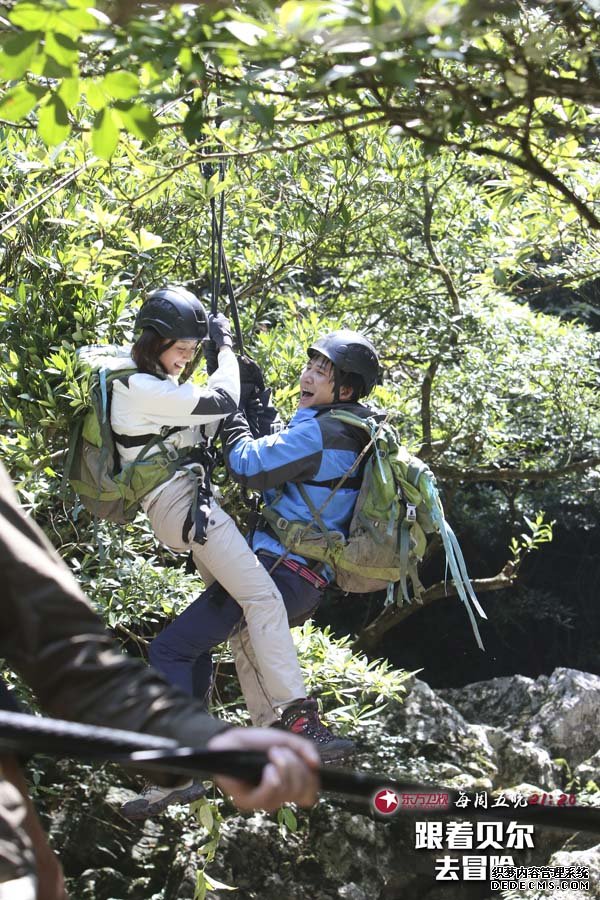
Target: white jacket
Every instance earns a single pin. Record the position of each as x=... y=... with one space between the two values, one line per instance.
x=144 y=405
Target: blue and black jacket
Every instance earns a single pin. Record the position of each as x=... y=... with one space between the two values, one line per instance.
x=315 y=450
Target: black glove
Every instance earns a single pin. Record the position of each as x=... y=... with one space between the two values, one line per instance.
x=250 y=372
x=252 y=410
x=219 y=331
x=211 y=355
x=268 y=420
x=248 y=392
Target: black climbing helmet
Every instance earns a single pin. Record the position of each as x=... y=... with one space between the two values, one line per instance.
x=174 y=313
x=350 y=351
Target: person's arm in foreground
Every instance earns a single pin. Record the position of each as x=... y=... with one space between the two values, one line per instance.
x=52 y=637
x=51 y=884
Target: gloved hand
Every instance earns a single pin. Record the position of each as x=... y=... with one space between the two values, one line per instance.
x=219 y=331
x=252 y=410
x=248 y=392
x=250 y=372
x=252 y=381
x=211 y=355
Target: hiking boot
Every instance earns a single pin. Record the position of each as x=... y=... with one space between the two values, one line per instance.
x=303 y=718
x=153 y=799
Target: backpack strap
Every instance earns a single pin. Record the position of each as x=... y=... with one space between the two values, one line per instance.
x=316 y=515
x=140 y=440
x=353 y=481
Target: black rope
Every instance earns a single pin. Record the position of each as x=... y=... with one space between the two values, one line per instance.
x=218 y=259
x=22 y=733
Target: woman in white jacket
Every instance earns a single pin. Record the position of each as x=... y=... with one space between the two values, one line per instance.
x=182 y=511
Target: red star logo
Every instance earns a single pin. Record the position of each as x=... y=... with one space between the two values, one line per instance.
x=386 y=802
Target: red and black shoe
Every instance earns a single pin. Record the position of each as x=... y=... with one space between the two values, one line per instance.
x=302 y=718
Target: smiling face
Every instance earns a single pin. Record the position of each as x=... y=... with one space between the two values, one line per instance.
x=317 y=385
x=175 y=358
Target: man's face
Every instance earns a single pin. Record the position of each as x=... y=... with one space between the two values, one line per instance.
x=316 y=382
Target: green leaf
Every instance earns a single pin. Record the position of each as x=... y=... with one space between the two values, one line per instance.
x=70 y=91
x=264 y=114
x=247 y=32
x=121 y=85
x=16 y=104
x=62 y=48
x=200 y=892
x=94 y=93
x=17 y=53
x=30 y=17
x=194 y=120
x=105 y=134
x=297 y=16
x=50 y=68
x=289 y=819
x=215 y=885
x=54 y=125
x=75 y=19
x=206 y=817
x=148 y=241
x=139 y=121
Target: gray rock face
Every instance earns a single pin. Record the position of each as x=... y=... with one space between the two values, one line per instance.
x=559 y=712
x=497 y=736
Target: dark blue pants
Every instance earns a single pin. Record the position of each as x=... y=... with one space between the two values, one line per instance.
x=183 y=651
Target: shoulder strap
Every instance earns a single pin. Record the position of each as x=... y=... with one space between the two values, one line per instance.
x=317 y=517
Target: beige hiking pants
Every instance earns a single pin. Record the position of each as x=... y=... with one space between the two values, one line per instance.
x=276 y=679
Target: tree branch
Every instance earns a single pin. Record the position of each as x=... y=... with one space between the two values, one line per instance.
x=475 y=475
x=391 y=616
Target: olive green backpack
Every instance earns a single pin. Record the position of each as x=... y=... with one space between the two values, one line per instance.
x=105 y=488
x=398 y=505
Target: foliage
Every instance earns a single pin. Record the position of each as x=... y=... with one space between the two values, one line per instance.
x=506 y=81
x=541 y=533
x=337 y=220
x=420 y=171
x=210 y=819
x=352 y=688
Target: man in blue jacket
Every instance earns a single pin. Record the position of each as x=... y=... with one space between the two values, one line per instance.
x=311 y=455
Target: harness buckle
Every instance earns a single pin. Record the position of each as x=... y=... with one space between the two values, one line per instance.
x=411 y=512
x=282 y=523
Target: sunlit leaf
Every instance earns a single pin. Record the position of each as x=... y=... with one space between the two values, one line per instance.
x=17 y=53
x=18 y=102
x=139 y=121
x=30 y=16
x=61 y=47
x=121 y=85
x=105 y=134
x=54 y=125
x=246 y=32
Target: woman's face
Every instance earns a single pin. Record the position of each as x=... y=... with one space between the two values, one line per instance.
x=175 y=358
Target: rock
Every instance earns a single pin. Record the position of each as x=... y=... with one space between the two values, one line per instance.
x=521 y=761
x=496 y=736
x=567 y=722
x=507 y=703
x=352 y=892
x=559 y=712
x=589 y=770
x=589 y=858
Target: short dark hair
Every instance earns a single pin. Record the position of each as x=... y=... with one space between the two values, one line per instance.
x=147 y=350
x=351 y=380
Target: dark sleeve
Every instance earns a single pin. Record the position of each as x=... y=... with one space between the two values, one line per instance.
x=51 y=636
